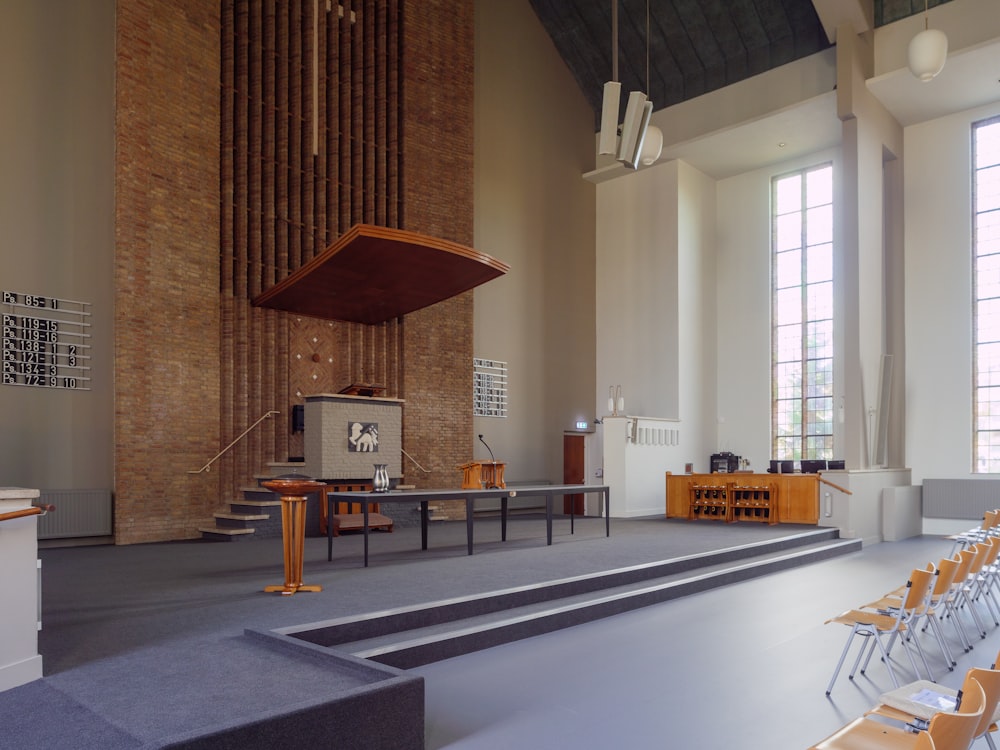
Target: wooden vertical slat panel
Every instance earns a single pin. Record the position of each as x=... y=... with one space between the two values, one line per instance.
x=227 y=145
x=254 y=141
x=357 y=118
x=369 y=98
x=344 y=124
x=227 y=228
x=321 y=184
x=393 y=105
x=241 y=236
x=379 y=194
x=269 y=157
x=287 y=201
x=276 y=338
x=306 y=156
x=332 y=58
x=282 y=224
x=295 y=133
x=246 y=450
x=241 y=115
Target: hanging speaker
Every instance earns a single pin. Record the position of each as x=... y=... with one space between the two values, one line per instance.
x=638 y=111
x=608 y=141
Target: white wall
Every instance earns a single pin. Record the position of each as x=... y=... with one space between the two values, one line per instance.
x=57 y=215
x=938 y=225
x=637 y=291
x=534 y=136
x=656 y=302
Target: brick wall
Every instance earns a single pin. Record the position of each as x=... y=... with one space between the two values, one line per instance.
x=380 y=132
x=166 y=266
x=437 y=199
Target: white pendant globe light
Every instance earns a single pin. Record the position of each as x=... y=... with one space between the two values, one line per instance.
x=927 y=52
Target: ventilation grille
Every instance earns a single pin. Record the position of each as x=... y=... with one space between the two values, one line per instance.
x=960 y=498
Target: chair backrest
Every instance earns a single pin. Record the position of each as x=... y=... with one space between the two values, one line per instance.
x=945 y=577
x=955 y=731
x=992 y=545
x=968 y=558
x=917 y=588
x=989 y=520
x=924 y=742
x=989 y=679
x=982 y=549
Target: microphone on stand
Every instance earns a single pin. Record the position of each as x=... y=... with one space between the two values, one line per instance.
x=493 y=483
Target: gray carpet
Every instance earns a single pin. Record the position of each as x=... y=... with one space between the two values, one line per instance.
x=122 y=624
x=102 y=601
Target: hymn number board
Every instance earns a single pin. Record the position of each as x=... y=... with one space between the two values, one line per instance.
x=46 y=342
x=489 y=388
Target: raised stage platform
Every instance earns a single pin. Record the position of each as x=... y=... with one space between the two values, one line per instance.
x=176 y=645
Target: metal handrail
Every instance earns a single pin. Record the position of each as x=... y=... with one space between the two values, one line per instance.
x=426 y=471
x=34 y=510
x=243 y=434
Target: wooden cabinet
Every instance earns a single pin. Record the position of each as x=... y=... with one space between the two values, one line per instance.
x=796 y=500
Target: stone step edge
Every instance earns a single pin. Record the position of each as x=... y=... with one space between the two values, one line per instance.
x=225 y=532
x=257 y=503
x=599 y=606
x=242 y=516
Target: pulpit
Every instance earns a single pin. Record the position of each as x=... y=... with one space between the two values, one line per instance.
x=477 y=475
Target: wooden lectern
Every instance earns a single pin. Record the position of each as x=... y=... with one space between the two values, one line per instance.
x=293 y=530
x=478 y=475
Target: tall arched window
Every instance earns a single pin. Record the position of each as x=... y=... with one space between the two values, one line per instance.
x=986 y=286
x=802 y=314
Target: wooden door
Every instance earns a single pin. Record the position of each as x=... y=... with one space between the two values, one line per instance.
x=573 y=472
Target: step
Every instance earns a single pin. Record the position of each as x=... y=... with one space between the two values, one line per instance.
x=280 y=468
x=250 y=503
x=242 y=516
x=219 y=534
x=412 y=636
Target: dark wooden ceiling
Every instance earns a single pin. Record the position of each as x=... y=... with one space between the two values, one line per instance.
x=694 y=46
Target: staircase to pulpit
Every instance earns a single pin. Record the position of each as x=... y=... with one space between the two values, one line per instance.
x=257 y=513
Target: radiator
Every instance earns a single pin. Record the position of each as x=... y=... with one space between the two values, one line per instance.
x=78 y=513
x=960 y=498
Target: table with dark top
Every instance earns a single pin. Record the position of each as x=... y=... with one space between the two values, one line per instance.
x=548 y=491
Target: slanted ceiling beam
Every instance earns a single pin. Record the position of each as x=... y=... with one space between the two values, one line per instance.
x=858 y=15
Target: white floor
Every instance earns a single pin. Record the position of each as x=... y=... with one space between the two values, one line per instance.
x=744 y=666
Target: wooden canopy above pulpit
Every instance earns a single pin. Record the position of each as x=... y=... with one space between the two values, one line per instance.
x=373 y=274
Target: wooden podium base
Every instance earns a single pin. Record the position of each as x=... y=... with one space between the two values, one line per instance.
x=293 y=531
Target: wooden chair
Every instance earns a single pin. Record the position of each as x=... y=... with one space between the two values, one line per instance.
x=970 y=590
x=875 y=625
x=937 y=603
x=986 y=577
x=947 y=731
x=956 y=600
x=988 y=527
x=898 y=705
